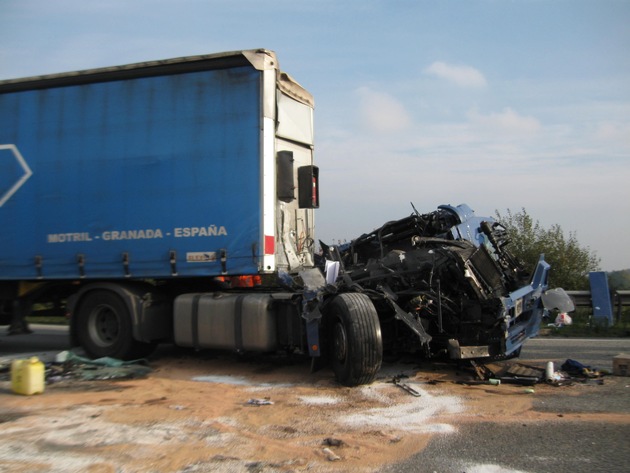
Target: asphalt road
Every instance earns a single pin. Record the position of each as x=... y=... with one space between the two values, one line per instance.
x=559 y=446
x=44 y=342
x=584 y=444
x=594 y=352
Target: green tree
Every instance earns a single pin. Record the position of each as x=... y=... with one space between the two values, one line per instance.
x=570 y=262
x=619 y=280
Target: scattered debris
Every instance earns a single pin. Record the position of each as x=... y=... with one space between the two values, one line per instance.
x=260 y=402
x=433 y=382
x=158 y=400
x=562 y=319
x=575 y=368
x=527 y=375
x=520 y=380
x=332 y=456
x=482 y=372
x=520 y=370
x=508 y=373
x=70 y=366
x=70 y=357
x=107 y=373
x=549 y=372
x=491 y=381
x=405 y=386
x=333 y=442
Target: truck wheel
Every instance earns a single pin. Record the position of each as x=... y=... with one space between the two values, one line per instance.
x=104 y=328
x=356 y=346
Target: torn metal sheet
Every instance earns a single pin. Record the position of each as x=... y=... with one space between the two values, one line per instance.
x=514 y=370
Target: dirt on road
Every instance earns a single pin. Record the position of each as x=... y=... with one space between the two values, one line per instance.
x=196 y=414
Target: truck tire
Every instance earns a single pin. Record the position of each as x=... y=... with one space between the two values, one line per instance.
x=104 y=327
x=356 y=346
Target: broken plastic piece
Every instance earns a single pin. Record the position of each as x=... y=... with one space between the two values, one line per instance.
x=557 y=299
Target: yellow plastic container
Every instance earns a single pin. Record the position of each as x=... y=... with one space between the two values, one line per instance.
x=27 y=376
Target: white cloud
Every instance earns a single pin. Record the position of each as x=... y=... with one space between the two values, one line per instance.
x=380 y=112
x=460 y=75
x=508 y=121
x=615 y=132
x=490 y=160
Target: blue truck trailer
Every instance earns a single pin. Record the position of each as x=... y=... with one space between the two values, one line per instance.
x=173 y=201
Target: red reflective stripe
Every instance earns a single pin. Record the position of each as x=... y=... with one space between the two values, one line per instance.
x=270 y=245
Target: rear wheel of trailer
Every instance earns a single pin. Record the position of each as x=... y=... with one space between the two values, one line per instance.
x=104 y=327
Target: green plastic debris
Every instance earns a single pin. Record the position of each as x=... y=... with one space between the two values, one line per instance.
x=101 y=368
x=70 y=357
x=121 y=372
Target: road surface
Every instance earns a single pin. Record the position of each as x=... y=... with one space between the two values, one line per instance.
x=45 y=342
x=582 y=428
x=590 y=433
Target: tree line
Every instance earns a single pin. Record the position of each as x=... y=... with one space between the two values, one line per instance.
x=570 y=262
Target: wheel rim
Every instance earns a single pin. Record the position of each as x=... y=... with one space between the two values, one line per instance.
x=340 y=341
x=104 y=325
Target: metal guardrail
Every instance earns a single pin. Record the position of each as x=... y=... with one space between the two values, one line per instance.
x=619 y=300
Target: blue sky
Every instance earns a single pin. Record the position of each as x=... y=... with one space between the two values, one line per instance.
x=495 y=103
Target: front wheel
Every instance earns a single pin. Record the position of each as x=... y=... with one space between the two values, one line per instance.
x=104 y=327
x=356 y=346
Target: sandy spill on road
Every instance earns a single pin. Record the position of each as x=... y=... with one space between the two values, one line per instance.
x=194 y=415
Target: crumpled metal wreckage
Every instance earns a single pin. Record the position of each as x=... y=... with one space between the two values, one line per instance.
x=445 y=284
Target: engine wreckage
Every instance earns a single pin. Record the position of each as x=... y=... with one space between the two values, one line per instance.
x=445 y=285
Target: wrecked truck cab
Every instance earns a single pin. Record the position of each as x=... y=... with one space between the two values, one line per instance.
x=445 y=285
